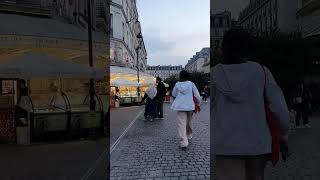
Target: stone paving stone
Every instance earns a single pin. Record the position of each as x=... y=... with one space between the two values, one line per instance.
x=150 y=150
x=305 y=159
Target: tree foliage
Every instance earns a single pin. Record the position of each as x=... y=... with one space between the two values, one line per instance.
x=200 y=79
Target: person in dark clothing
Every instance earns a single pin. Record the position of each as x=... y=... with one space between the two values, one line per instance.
x=302 y=105
x=306 y=107
x=151 y=107
x=161 y=93
x=205 y=93
x=21 y=109
x=24 y=91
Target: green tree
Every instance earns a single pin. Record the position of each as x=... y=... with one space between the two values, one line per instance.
x=171 y=81
x=200 y=79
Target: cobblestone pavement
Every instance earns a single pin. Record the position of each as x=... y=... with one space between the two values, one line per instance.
x=305 y=160
x=150 y=150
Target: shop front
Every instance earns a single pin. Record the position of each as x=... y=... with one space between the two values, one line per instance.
x=56 y=102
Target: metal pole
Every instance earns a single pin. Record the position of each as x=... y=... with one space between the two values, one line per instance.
x=92 y=114
x=138 y=69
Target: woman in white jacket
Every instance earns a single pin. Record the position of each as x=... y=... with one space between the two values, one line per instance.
x=183 y=92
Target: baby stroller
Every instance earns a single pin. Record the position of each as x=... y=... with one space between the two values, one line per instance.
x=150 y=111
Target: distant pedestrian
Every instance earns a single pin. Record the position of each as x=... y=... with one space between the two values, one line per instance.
x=306 y=107
x=117 y=97
x=151 y=107
x=302 y=105
x=240 y=135
x=205 y=94
x=161 y=93
x=184 y=93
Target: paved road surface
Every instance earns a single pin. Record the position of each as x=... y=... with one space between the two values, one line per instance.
x=63 y=161
x=120 y=118
x=150 y=150
x=305 y=160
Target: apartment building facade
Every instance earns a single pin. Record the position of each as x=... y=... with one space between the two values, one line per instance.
x=270 y=16
x=164 y=72
x=199 y=61
x=220 y=24
x=126 y=42
x=309 y=17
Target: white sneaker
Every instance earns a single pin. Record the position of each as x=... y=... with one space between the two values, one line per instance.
x=307 y=126
x=184 y=144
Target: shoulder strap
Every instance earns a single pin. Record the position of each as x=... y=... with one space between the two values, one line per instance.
x=265 y=80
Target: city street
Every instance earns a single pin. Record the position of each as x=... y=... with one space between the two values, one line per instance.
x=150 y=150
x=304 y=162
x=120 y=118
x=63 y=161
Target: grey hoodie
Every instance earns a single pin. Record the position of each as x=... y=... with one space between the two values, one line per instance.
x=238 y=123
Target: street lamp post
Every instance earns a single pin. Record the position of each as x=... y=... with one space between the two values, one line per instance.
x=138 y=70
x=139 y=36
x=92 y=114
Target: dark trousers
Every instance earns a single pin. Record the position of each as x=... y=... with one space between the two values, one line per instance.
x=160 y=107
x=302 y=112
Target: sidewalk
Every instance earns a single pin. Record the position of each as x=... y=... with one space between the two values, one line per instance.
x=305 y=160
x=120 y=118
x=150 y=150
x=63 y=161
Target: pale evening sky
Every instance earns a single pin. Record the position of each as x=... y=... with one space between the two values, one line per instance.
x=174 y=30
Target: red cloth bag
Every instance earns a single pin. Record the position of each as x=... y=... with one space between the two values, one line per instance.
x=273 y=126
x=196 y=106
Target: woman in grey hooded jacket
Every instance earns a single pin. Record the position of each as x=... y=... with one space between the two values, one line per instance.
x=240 y=136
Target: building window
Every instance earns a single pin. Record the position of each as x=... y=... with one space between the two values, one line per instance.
x=111 y=25
x=123 y=31
x=220 y=22
x=216 y=32
x=128 y=39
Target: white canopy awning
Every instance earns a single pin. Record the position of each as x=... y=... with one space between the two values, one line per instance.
x=128 y=71
x=119 y=76
x=42 y=66
x=123 y=82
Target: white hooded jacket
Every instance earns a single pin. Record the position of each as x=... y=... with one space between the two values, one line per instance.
x=183 y=93
x=151 y=91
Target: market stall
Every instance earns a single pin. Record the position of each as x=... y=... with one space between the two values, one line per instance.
x=53 y=100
